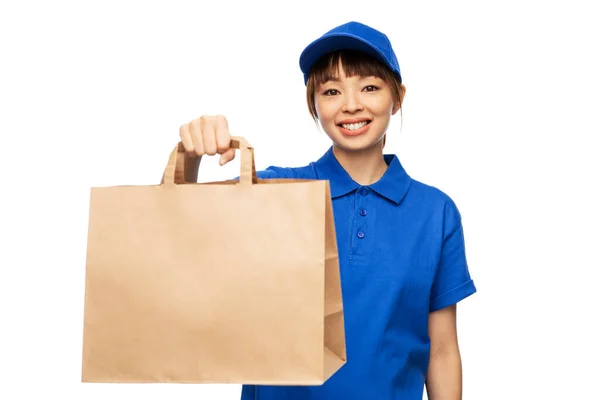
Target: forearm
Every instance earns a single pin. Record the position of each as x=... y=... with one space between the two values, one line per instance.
x=444 y=377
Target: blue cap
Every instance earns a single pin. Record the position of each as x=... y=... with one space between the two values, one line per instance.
x=350 y=36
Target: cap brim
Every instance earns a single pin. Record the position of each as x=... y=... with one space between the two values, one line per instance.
x=333 y=42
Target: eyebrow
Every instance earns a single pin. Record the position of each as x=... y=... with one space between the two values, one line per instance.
x=333 y=79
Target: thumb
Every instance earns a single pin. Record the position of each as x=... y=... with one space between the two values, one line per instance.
x=227 y=156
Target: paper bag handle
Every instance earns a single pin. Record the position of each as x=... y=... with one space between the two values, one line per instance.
x=177 y=168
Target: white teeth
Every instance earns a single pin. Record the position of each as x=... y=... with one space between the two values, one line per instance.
x=353 y=127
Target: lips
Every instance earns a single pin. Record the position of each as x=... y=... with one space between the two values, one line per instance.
x=354 y=127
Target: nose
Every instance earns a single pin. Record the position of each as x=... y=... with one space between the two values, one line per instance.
x=352 y=103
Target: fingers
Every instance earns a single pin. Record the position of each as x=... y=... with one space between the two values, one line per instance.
x=224 y=141
x=197 y=136
x=227 y=156
x=186 y=139
x=223 y=136
x=208 y=135
x=208 y=127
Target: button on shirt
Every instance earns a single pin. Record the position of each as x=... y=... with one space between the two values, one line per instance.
x=402 y=256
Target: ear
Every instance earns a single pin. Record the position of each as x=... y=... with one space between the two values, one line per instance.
x=398 y=104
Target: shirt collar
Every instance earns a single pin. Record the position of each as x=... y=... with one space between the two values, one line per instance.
x=393 y=185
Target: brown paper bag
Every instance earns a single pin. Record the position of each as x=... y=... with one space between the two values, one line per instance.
x=221 y=282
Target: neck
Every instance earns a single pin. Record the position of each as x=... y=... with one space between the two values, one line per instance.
x=365 y=167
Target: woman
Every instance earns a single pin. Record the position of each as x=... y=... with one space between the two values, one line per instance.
x=401 y=248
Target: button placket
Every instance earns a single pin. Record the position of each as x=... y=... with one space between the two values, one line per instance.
x=360 y=231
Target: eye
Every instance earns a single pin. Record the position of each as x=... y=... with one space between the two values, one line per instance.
x=370 y=88
x=330 y=92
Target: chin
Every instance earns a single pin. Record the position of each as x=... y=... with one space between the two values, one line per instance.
x=357 y=143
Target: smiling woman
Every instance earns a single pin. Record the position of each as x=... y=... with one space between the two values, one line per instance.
x=370 y=76
x=401 y=247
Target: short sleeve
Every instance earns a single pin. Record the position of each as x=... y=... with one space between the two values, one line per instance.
x=453 y=281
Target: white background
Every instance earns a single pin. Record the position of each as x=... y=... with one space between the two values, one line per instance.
x=501 y=113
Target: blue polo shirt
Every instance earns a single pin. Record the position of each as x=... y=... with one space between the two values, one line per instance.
x=402 y=256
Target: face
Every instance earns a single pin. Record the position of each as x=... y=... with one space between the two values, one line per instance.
x=355 y=111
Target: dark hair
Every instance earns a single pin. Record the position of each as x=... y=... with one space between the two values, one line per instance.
x=354 y=63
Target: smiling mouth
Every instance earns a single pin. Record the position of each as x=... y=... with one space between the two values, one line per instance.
x=355 y=126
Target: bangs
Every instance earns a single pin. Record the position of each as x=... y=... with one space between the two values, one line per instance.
x=353 y=63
